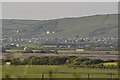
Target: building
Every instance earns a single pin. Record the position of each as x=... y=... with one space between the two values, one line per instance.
x=80 y=50
x=8 y=62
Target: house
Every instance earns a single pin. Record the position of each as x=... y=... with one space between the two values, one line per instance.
x=80 y=50
x=8 y=62
x=12 y=46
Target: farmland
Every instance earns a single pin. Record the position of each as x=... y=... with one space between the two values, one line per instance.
x=110 y=64
x=35 y=71
x=78 y=47
x=82 y=55
x=69 y=51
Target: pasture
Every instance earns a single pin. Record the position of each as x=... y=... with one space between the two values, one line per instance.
x=70 y=51
x=110 y=64
x=50 y=71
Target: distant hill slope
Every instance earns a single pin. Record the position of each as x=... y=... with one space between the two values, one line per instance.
x=89 y=26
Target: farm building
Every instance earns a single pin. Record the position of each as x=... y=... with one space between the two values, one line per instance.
x=80 y=50
x=8 y=62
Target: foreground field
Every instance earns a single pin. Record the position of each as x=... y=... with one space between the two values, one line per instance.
x=35 y=71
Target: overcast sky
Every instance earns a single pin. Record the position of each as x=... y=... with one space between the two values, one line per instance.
x=52 y=10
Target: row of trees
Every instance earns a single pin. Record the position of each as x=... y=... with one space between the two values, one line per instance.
x=71 y=61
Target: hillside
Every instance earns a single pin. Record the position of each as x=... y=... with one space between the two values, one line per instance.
x=89 y=26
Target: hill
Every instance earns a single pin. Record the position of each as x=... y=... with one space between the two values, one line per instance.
x=88 y=26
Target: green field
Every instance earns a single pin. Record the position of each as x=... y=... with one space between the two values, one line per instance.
x=110 y=64
x=69 y=51
x=88 y=52
x=35 y=71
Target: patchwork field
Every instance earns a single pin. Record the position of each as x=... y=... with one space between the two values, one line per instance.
x=36 y=71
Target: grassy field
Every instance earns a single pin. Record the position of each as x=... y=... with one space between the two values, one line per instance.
x=110 y=64
x=88 y=52
x=35 y=71
x=70 y=51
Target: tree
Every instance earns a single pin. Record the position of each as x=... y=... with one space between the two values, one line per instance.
x=18 y=61
x=57 y=60
x=33 y=60
x=93 y=61
x=39 y=60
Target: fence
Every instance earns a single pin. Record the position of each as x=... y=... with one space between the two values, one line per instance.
x=110 y=75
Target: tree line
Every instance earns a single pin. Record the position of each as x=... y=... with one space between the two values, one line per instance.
x=71 y=61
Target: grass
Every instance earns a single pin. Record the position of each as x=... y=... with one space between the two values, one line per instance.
x=110 y=64
x=89 y=52
x=35 y=71
x=70 y=51
x=14 y=51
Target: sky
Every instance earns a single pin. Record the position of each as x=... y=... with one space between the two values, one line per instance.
x=54 y=10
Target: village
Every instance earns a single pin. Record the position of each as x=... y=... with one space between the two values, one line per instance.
x=93 y=44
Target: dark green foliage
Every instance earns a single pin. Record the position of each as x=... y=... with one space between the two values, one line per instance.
x=71 y=61
x=39 y=60
x=93 y=61
x=19 y=61
x=57 y=60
